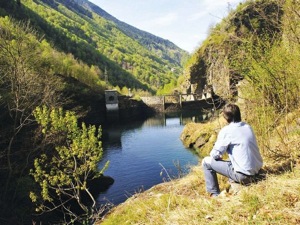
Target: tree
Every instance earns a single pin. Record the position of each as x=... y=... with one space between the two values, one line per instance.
x=269 y=63
x=69 y=161
x=25 y=83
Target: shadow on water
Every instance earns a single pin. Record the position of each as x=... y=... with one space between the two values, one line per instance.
x=142 y=146
x=118 y=121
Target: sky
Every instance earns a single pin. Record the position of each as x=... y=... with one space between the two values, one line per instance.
x=186 y=23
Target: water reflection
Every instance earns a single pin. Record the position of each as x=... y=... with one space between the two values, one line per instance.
x=143 y=152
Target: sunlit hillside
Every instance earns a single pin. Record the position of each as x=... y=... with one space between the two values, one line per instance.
x=250 y=58
x=122 y=55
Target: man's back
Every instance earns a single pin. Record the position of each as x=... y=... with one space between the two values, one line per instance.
x=243 y=149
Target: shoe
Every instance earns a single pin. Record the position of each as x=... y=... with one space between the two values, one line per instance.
x=234 y=188
x=223 y=193
x=213 y=195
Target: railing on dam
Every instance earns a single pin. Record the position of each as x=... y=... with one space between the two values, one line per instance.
x=178 y=101
x=174 y=102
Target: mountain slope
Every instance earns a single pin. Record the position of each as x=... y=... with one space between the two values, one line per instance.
x=96 y=41
x=161 y=47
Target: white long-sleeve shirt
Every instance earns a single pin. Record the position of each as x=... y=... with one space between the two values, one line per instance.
x=239 y=141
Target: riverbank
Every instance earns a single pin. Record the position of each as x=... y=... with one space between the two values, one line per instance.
x=274 y=200
x=184 y=201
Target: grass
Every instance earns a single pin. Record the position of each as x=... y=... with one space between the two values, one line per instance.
x=275 y=200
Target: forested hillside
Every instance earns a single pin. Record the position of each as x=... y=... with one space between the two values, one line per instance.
x=161 y=47
x=122 y=55
x=56 y=56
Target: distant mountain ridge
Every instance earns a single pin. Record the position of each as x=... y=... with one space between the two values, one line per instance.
x=164 y=48
x=122 y=55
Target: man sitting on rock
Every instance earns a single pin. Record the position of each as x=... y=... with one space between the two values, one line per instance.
x=238 y=140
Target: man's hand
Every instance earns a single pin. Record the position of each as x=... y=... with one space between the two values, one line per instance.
x=216 y=155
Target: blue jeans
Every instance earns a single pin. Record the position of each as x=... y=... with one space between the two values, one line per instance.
x=211 y=167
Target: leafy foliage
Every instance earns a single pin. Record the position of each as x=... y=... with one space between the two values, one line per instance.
x=272 y=84
x=25 y=83
x=63 y=173
x=28 y=79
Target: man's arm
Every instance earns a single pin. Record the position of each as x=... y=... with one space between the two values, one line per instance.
x=220 y=146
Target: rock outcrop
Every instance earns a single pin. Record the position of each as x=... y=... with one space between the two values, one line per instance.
x=218 y=63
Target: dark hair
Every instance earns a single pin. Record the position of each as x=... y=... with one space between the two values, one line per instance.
x=232 y=113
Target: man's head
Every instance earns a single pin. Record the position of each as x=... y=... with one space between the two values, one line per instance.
x=231 y=113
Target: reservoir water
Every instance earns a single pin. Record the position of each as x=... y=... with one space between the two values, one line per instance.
x=144 y=152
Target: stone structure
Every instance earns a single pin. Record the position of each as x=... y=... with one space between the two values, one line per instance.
x=111 y=100
x=168 y=103
x=180 y=102
x=155 y=102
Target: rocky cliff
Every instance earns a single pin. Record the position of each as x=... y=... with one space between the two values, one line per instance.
x=217 y=63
